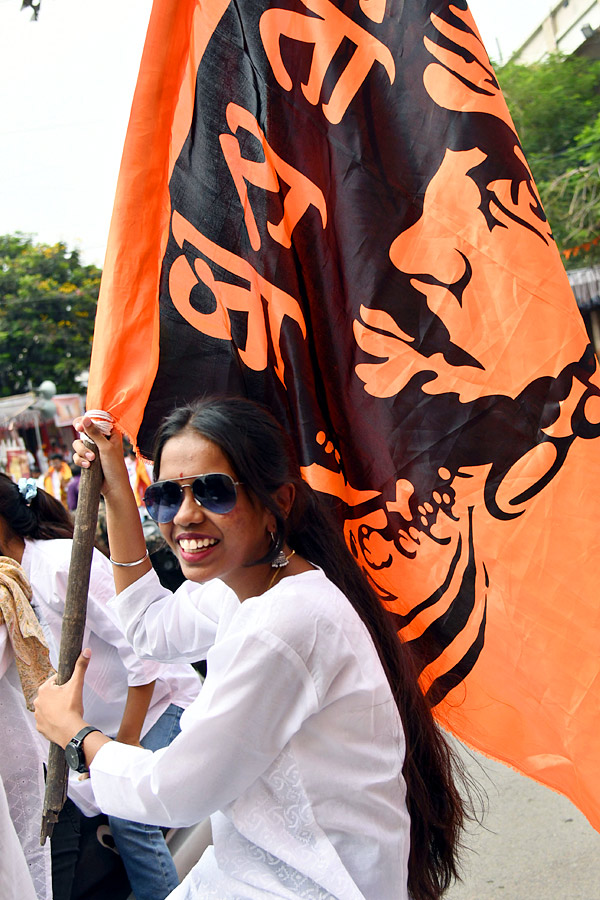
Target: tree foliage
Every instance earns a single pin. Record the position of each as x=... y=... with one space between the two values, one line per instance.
x=47 y=309
x=555 y=105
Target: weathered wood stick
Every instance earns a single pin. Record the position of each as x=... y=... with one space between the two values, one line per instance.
x=73 y=625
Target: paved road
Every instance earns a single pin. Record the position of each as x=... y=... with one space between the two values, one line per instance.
x=534 y=844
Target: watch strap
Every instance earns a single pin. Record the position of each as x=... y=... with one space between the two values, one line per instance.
x=77 y=740
x=74 y=751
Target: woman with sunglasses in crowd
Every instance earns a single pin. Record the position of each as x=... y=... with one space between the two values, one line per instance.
x=310 y=745
x=136 y=700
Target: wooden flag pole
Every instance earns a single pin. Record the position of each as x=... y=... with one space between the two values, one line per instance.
x=73 y=625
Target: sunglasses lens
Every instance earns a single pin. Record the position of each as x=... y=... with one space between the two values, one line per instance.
x=215 y=492
x=162 y=500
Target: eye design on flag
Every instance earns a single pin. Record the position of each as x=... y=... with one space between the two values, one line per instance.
x=486 y=233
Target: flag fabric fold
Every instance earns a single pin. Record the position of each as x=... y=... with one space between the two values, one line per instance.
x=324 y=206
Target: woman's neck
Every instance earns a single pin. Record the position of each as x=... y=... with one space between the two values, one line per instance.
x=12 y=546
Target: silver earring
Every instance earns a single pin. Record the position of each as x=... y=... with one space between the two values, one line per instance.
x=281 y=559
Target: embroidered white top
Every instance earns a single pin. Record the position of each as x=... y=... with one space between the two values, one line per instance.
x=294 y=745
x=24 y=752
x=16 y=878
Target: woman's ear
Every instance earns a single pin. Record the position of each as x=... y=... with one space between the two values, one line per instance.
x=284 y=497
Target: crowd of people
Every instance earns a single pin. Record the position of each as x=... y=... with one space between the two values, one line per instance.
x=309 y=745
x=60 y=477
x=137 y=701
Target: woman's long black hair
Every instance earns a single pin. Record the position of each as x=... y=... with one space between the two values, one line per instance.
x=262 y=457
x=42 y=518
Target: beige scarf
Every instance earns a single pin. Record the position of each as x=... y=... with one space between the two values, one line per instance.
x=24 y=631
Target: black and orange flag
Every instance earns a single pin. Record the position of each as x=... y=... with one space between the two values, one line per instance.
x=323 y=205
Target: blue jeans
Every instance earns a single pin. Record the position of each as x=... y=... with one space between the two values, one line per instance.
x=142 y=848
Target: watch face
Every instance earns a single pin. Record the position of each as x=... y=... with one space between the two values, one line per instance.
x=74 y=758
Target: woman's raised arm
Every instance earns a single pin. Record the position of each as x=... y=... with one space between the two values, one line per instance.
x=125 y=534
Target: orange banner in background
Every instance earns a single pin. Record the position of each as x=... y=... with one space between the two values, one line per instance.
x=68 y=407
x=586 y=247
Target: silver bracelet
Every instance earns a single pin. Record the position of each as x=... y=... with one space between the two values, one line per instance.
x=127 y=565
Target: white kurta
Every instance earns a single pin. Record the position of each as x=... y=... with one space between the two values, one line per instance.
x=294 y=746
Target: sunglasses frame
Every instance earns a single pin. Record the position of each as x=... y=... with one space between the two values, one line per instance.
x=190 y=482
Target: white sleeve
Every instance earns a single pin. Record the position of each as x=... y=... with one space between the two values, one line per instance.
x=101 y=620
x=255 y=698
x=169 y=627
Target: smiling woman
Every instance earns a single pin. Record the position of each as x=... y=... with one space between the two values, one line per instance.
x=310 y=699
x=227 y=534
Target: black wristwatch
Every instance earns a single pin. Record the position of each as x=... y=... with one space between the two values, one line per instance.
x=74 y=749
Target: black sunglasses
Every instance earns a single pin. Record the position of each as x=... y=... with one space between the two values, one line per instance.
x=215 y=492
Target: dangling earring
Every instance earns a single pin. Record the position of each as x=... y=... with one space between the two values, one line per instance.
x=281 y=559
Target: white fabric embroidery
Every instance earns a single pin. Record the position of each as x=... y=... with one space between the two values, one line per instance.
x=22 y=774
x=294 y=746
x=283 y=821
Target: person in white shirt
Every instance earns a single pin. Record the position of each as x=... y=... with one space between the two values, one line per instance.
x=138 y=701
x=15 y=878
x=311 y=745
x=25 y=867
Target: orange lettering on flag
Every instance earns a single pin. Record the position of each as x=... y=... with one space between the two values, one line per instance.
x=326 y=31
x=266 y=175
x=184 y=276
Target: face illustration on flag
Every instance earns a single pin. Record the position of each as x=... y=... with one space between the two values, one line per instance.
x=325 y=207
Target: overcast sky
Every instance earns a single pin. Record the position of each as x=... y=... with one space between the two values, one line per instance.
x=66 y=83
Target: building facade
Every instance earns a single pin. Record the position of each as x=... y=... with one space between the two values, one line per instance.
x=572 y=26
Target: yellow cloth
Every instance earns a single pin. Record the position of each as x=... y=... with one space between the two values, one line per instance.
x=24 y=631
x=142 y=480
x=65 y=475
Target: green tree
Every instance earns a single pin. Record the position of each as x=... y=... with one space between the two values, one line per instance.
x=555 y=105
x=47 y=309
x=573 y=196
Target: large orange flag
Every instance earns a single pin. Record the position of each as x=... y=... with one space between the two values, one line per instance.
x=324 y=206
